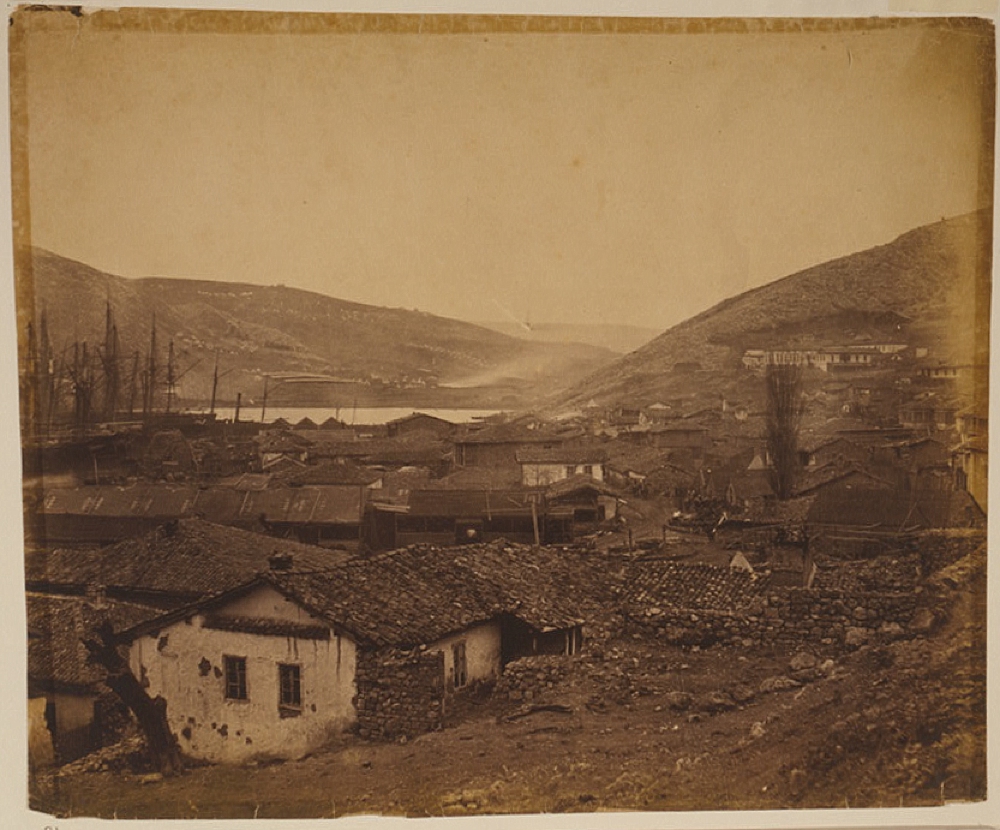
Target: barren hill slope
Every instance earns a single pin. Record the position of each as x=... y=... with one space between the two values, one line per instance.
x=258 y=329
x=919 y=288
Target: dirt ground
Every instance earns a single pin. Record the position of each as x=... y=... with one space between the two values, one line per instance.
x=638 y=725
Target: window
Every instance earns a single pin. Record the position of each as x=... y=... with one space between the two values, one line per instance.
x=460 y=668
x=236 y=677
x=289 y=686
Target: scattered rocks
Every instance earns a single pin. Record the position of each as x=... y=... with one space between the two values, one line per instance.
x=128 y=755
x=716 y=702
x=150 y=778
x=856 y=637
x=679 y=701
x=803 y=660
x=778 y=683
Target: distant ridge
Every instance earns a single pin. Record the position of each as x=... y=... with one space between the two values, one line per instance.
x=271 y=329
x=921 y=286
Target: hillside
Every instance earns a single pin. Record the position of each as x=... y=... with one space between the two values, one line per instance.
x=617 y=338
x=257 y=329
x=919 y=289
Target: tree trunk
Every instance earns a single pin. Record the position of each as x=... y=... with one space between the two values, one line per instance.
x=151 y=713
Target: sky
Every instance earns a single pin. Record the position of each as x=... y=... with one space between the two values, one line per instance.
x=532 y=177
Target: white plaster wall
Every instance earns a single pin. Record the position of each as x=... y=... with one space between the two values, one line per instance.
x=73 y=711
x=540 y=475
x=482 y=653
x=265 y=601
x=40 y=750
x=212 y=727
x=610 y=505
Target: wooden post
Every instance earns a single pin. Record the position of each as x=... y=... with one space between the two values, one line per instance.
x=534 y=519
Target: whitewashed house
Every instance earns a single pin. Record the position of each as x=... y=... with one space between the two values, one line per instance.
x=541 y=466
x=281 y=665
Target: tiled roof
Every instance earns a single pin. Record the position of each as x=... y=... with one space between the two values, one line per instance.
x=56 y=628
x=897 y=573
x=561 y=455
x=415 y=596
x=656 y=583
x=418 y=595
x=333 y=472
x=190 y=559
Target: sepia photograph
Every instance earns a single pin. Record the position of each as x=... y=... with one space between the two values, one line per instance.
x=439 y=415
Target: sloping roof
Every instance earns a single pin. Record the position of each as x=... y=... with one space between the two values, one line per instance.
x=895 y=510
x=752 y=484
x=252 y=481
x=56 y=628
x=414 y=596
x=162 y=502
x=468 y=502
x=189 y=559
x=332 y=472
x=327 y=504
x=419 y=595
x=145 y=500
x=657 y=583
x=420 y=417
x=835 y=475
x=773 y=511
x=515 y=433
x=413 y=448
x=576 y=484
x=561 y=455
x=284 y=441
x=505 y=477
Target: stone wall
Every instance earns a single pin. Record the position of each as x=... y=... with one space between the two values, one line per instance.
x=531 y=678
x=790 y=618
x=399 y=693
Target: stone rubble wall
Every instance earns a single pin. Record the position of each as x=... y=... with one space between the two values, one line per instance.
x=399 y=693
x=798 y=616
x=530 y=678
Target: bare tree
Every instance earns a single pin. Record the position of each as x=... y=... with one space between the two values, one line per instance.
x=150 y=713
x=784 y=416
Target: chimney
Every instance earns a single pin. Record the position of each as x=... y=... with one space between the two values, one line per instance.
x=280 y=561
